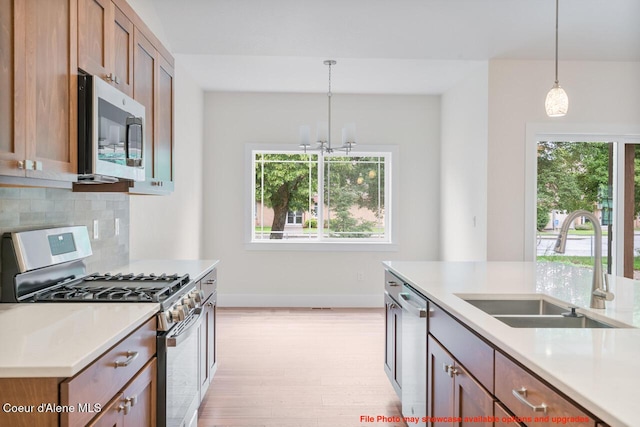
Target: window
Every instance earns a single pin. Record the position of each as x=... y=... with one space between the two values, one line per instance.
x=294 y=217
x=314 y=198
x=596 y=171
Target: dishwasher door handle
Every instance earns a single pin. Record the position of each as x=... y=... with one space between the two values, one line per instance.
x=411 y=307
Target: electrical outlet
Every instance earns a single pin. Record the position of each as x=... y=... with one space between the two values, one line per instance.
x=96 y=229
x=360 y=276
x=117 y=226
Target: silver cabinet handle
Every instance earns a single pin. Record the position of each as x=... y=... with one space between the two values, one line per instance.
x=521 y=395
x=450 y=370
x=406 y=304
x=392 y=283
x=21 y=164
x=131 y=356
x=132 y=400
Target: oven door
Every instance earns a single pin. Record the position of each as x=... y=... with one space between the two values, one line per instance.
x=178 y=384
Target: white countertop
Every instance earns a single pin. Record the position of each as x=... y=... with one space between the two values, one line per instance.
x=598 y=368
x=60 y=339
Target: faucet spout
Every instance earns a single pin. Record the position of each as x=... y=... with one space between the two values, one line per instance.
x=599 y=288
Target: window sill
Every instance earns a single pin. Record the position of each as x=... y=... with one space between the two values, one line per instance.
x=322 y=246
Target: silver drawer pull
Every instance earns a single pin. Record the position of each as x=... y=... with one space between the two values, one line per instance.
x=131 y=356
x=521 y=395
x=392 y=283
x=132 y=400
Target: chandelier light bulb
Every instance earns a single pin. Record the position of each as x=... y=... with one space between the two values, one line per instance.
x=557 y=102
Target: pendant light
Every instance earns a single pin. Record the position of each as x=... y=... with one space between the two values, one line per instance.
x=323 y=135
x=557 y=102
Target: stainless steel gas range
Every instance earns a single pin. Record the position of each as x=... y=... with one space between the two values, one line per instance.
x=47 y=266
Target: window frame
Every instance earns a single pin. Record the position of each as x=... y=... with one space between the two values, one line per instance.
x=356 y=245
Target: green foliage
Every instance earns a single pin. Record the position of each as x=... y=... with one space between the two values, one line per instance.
x=571 y=176
x=287 y=182
x=352 y=181
x=286 y=179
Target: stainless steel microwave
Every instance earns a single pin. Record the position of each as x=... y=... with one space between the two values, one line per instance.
x=110 y=133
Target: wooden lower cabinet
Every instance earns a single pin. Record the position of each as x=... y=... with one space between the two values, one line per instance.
x=531 y=400
x=207 y=355
x=135 y=406
x=453 y=395
x=393 y=343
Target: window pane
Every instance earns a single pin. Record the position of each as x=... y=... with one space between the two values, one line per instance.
x=354 y=197
x=574 y=176
x=284 y=184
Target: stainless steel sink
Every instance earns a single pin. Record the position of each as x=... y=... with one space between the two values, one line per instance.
x=559 y=321
x=536 y=306
x=536 y=311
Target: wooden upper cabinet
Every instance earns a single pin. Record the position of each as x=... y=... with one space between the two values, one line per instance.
x=51 y=89
x=164 y=122
x=105 y=43
x=144 y=83
x=153 y=83
x=12 y=86
x=38 y=106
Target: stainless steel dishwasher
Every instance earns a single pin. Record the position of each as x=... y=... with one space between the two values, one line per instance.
x=414 y=354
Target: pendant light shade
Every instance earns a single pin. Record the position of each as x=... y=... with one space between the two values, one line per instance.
x=557 y=102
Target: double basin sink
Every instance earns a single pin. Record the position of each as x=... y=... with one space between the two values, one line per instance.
x=538 y=311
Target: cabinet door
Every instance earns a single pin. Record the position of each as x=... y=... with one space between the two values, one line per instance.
x=51 y=89
x=207 y=346
x=211 y=337
x=144 y=82
x=164 y=124
x=122 y=51
x=139 y=397
x=12 y=86
x=111 y=416
x=472 y=402
x=440 y=391
x=94 y=34
x=393 y=344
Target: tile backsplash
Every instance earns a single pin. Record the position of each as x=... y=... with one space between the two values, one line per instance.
x=30 y=208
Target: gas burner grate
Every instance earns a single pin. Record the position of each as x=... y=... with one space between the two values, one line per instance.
x=117 y=288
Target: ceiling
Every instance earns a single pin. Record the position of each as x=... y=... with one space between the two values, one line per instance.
x=385 y=46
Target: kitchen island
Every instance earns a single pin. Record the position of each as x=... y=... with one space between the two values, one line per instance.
x=597 y=368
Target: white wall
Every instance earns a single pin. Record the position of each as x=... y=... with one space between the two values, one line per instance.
x=604 y=93
x=170 y=227
x=281 y=278
x=463 y=202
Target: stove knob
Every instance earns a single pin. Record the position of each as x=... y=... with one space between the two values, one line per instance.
x=179 y=313
x=189 y=303
x=198 y=296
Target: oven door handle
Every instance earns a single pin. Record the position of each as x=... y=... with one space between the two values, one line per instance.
x=191 y=327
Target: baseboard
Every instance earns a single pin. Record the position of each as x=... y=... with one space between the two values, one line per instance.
x=288 y=300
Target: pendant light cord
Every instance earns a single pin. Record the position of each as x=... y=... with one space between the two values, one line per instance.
x=557 y=1
x=329 y=115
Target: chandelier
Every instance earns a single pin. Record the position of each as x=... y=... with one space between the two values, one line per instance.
x=323 y=131
x=557 y=102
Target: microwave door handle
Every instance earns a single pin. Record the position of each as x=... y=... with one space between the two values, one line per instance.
x=134 y=121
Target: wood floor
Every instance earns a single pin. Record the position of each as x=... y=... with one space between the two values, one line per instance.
x=299 y=368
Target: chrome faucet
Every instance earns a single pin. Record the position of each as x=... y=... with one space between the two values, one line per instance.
x=599 y=288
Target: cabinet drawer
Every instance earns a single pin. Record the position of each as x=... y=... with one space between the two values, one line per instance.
x=209 y=283
x=473 y=353
x=512 y=380
x=392 y=284
x=100 y=381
